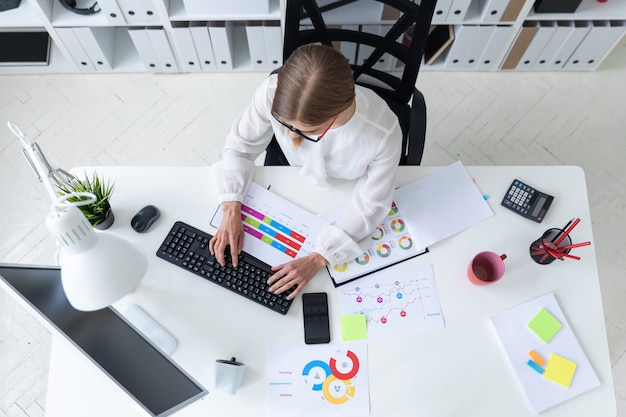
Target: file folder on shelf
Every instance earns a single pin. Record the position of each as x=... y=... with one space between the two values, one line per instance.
x=221 y=34
x=273 y=43
x=99 y=44
x=112 y=12
x=562 y=31
x=75 y=49
x=162 y=50
x=139 y=11
x=524 y=38
x=492 y=10
x=479 y=43
x=536 y=46
x=256 y=45
x=203 y=45
x=441 y=11
x=578 y=32
x=142 y=43
x=598 y=42
x=463 y=38
x=494 y=47
x=458 y=10
x=189 y=56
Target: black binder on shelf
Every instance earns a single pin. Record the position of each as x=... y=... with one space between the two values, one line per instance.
x=24 y=48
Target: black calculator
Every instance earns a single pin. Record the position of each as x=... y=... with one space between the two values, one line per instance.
x=527 y=201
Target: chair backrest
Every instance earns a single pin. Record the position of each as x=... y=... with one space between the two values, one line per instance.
x=380 y=38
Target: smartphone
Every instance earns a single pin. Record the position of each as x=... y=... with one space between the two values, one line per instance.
x=315 y=312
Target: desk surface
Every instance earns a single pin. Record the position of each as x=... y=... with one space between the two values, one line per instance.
x=460 y=371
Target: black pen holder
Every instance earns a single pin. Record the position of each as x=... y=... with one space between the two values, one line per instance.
x=539 y=249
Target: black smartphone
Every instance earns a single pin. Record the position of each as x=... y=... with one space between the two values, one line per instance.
x=315 y=312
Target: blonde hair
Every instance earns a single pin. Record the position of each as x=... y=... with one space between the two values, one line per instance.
x=314 y=85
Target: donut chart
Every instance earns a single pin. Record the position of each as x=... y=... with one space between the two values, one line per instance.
x=383 y=250
x=334 y=377
x=378 y=233
x=363 y=259
x=405 y=242
x=397 y=225
x=341 y=267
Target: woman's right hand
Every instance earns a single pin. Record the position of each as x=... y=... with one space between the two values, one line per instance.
x=230 y=233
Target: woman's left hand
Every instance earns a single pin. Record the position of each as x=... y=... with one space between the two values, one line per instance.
x=299 y=271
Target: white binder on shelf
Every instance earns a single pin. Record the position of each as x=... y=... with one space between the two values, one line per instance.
x=162 y=50
x=494 y=48
x=273 y=43
x=188 y=55
x=256 y=45
x=458 y=10
x=112 y=12
x=562 y=30
x=578 y=32
x=99 y=44
x=221 y=34
x=441 y=11
x=75 y=48
x=598 y=42
x=491 y=11
x=536 y=46
x=139 y=11
x=463 y=38
x=476 y=49
x=204 y=48
x=140 y=38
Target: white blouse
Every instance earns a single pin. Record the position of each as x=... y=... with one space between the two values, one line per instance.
x=366 y=148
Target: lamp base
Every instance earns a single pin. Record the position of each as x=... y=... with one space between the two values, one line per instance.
x=150 y=328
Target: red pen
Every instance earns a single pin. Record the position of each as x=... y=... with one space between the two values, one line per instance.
x=567 y=232
x=576 y=245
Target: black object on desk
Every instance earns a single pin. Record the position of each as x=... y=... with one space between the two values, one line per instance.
x=188 y=247
x=527 y=201
x=158 y=384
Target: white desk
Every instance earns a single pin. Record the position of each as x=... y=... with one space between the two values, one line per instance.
x=462 y=371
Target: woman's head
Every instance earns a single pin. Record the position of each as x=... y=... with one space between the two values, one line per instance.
x=314 y=86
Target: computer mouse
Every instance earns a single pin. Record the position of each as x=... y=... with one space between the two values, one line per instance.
x=144 y=218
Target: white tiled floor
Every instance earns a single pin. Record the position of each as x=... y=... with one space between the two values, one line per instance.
x=144 y=119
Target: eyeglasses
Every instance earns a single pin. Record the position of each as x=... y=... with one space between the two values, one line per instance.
x=302 y=135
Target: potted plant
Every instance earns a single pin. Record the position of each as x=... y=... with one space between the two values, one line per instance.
x=99 y=213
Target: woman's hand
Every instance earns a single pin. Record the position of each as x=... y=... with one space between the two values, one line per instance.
x=299 y=271
x=230 y=233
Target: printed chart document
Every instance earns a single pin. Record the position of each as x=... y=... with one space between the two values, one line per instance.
x=389 y=244
x=424 y=212
x=544 y=352
x=277 y=231
x=317 y=380
x=397 y=301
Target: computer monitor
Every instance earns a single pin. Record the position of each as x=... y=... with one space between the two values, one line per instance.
x=149 y=376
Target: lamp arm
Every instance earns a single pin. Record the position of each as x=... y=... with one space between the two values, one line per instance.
x=46 y=173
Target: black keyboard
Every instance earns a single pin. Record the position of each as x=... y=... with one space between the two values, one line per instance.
x=188 y=247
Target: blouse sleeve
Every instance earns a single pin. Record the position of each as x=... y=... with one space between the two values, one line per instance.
x=249 y=135
x=371 y=201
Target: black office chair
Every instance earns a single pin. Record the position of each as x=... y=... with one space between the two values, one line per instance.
x=377 y=53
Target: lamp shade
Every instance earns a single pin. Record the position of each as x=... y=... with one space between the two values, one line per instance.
x=97 y=269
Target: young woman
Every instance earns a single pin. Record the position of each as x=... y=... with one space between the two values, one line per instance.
x=330 y=128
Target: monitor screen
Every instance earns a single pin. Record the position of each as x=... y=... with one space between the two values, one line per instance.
x=158 y=384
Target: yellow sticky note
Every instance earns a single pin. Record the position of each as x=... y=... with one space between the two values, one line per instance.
x=560 y=370
x=353 y=327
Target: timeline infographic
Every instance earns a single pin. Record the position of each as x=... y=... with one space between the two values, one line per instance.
x=400 y=300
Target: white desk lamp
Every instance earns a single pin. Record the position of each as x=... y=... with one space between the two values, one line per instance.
x=97 y=268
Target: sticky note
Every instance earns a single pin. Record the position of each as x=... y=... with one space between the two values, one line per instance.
x=353 y=327
x=544 y=325
x=560 y=370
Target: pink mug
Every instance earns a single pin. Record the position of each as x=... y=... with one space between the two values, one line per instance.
x=486 y=268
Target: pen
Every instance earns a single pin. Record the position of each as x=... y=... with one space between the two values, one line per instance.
x=558 y=235
x=269 y=186
x=567 y=232
x=576 y=245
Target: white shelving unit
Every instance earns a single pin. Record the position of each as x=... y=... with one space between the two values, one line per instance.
x=484 y=41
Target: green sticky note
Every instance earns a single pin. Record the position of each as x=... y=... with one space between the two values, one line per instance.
x=353 y=327
x=560 y=370
x=544 y=325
